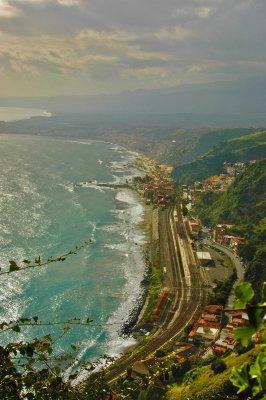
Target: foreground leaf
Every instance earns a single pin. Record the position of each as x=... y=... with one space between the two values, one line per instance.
x=239 y=378
x=244 y=293
x=13 y=266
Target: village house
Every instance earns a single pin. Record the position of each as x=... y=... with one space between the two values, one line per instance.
x=204 y=258
x=226 y=341
x=221 y=235
x=216 y=183
x=193 y=227
x=207 y=328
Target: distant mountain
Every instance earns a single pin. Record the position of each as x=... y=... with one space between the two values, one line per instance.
x=240 y=100
x=243 y=148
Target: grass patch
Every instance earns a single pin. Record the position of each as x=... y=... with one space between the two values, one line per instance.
x=156 y=279
x=208 y=386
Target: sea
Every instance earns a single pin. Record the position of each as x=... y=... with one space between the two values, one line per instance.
x=43 y=212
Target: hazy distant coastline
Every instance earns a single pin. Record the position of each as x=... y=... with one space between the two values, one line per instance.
x=8 y=114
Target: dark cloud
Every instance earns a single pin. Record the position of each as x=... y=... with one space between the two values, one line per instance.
x=136 y=43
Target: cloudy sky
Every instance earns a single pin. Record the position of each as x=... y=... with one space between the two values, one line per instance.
x=62 y=47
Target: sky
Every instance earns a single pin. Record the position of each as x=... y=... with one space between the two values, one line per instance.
x=88 y=47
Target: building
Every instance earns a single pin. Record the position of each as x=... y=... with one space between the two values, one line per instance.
x=205 y=335
x=194 y=227
x=207 y=328
x=220 y=231
x=204 y=257
x=226 y=341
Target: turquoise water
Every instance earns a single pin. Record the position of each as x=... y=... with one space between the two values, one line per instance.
x=17 y=113
x=44 y=213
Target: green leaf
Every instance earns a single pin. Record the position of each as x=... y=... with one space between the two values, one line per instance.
x=2 y=325
x=244 y=293
x=16 y=328
x=244 y=334
x=89 y=320
x=23 y=320
x=37 y=260
x=48 y=337
x=57 y=370
x=256 y=374
x=256 y=318
x=35 y=319
x=239 y=378
x=26 y=261
x=30 y=350
x=73 y=376
x=13 y=266
x=263 y=340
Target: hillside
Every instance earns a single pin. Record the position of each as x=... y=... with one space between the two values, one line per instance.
x=243 y=148
x=206 y=385
x=185 y=148
x=168 y=139
x=244 y=206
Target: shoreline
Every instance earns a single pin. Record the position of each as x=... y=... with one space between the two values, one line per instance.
x=150 y=227
x=141 y=225
x=145 y=226
x=41 y=113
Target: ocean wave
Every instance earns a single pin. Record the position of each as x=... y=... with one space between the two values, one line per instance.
x=94 y=228
x=91 y=185
x=118 y=149
x=68 y=186
x=119 y=165
x=110 y=228
x=113 y=273
x=79 y=142
x=135 y=211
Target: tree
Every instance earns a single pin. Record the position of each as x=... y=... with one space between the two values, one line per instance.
x=30 y=369
x=218 y=366
x=155 y=391
x=251 y=377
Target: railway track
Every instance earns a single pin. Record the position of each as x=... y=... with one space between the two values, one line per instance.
x=187 y=295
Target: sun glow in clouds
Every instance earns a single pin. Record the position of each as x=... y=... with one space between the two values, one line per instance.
x=7 y=10
x=53 y=47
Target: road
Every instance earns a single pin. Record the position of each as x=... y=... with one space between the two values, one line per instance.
x=235 y=260
x=182 y=278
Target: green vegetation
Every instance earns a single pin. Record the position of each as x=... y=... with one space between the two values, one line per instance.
x=218 y=366
x=190 y=143
x=222 y=290
x=30 y=369
x=156 y=279
x=251 y=378
x=243 y=148
x=208 y=386
x=210 y=139
x=236 y=376
x=243 y=206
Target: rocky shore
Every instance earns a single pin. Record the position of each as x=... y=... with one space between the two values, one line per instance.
x=134 y=315
x=150 y=225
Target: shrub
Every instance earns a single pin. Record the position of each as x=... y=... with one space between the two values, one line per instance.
x=218 y=366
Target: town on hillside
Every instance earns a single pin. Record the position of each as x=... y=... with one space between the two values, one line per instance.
x=157 y=185
x=211 y=330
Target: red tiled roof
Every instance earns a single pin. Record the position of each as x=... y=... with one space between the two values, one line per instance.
x=220 y=349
